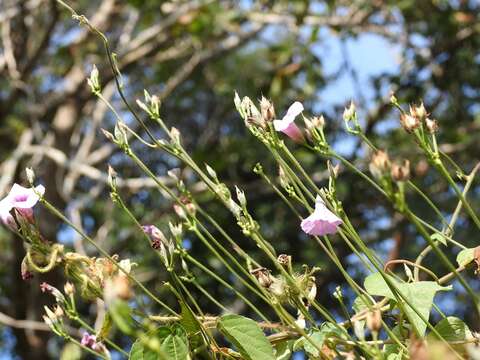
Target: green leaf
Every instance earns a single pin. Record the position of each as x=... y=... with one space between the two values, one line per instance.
x=247 y=337
x=440 y=238
x=121 y=315
x=283 y=350
x=465 y=257
x=106 y=327
x=452 y=329
x=393 y=351
x=317 y=338
x=419 y=294
x=191 y=325
x=136 y=352
x=174 y=342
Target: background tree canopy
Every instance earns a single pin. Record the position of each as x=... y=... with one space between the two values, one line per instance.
x=194 y=55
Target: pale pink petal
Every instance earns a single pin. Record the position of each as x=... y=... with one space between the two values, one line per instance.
x=293 y=132
x=5 y=208
x=322 y=221
x=293 y=111
x=287 y=125
x=25 y=198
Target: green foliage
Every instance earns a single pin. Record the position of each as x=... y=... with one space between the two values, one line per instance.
x=465 y=257
x=417 y=297
x=452 y=329
x=247 y=337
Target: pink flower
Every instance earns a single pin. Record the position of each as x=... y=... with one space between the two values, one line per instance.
x=88 y=340
x=23 y=200
x=322 y=221
x=287 y=124
x=91 y=342
x=156 y=236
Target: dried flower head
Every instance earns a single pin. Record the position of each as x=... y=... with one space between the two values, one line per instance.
x=409 y=122
x=374 y=320
x=263 y=276
x=267 y=110
x=379 y=164
x=284 y=260
x=432 y=125
x=401 y=172
x=419 y=111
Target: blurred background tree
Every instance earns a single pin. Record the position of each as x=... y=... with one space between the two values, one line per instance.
x=194 y=55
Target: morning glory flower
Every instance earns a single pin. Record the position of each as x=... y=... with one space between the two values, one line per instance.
x=287 y=124
x=91 y=342
x=21 y=199
x=322 y=221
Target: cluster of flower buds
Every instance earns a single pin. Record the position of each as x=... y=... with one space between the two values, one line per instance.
x=91 y=274
x=417 y=116
x=380 y=166
x=151 y=105
x=260 y=120
x=303 y=287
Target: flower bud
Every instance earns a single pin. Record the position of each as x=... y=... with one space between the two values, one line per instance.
x=120 y=135
x=176 y=230
x=211 y=172
x=267 y=110
x=175 y=136
x=30 y=175
x=58 y=311
x=419 y=111
x=318 y=122
x=68 y=288
x=350 y=113
x=374 y=320
x=379 y=164
x=432 y=125
x=179 y=211
x=409 y=122
x=108 y=135
x=401 y=172
x=393 y=99
x=93 y=81
x=241 y=196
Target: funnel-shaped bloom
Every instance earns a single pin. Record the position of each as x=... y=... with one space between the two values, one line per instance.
x=322 y=221
x=23 y=200
x=287 y=124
